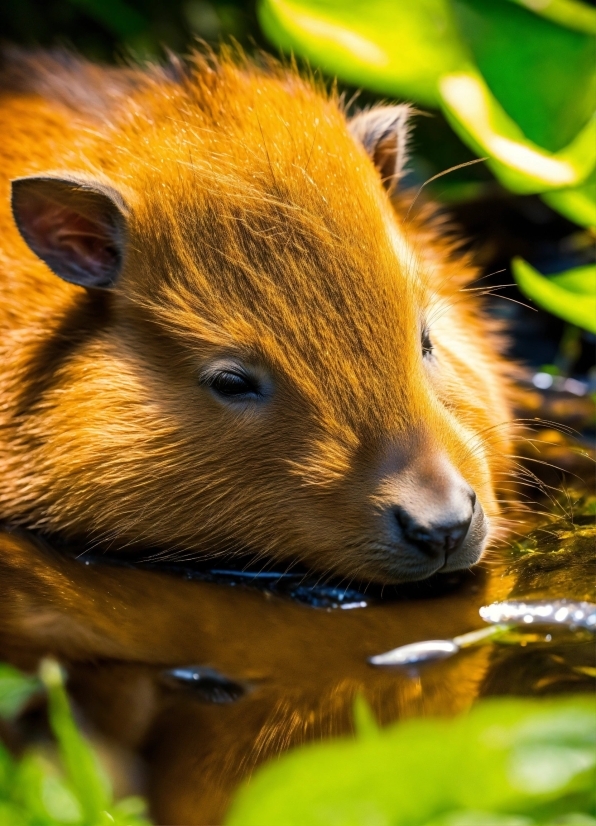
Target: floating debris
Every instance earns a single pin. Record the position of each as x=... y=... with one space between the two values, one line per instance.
x=416 y=652
x=428 y=650
x=503 y=616
x=565 y=612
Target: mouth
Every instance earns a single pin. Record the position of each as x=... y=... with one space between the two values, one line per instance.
x=391 y=564
x=396 y=564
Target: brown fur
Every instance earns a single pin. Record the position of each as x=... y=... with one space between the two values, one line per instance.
x=258 y=227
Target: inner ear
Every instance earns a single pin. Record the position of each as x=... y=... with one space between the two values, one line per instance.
x=383 y=131
x=77 y=227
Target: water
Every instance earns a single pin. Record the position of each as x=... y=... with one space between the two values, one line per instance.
x=505 y=616
x=564 y=612
x=200 y=675
x=288 y=671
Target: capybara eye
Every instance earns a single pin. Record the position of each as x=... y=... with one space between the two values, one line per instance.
x=233 y=385
x=427 y=345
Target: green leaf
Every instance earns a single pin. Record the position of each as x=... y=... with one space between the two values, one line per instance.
x=541 y=73
x=11 y=816
x=82 y=767
x=476 y=818
x=40 y=794
x=573 y=14
x=569 y=295
x=16 y=689
x=365 y=723
x=34 y=791
x=492 y=819
x=393 y=48
x=518 y=163
x=577 y=204
x=417 y=772
x=130 y=811
x=515 y=79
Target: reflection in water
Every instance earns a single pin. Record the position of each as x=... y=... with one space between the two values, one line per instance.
x=118 y=630
x=204 y=681
x=206 y=684
x=296 y=583
x=564 y=612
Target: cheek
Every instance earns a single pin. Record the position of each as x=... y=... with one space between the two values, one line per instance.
x=476 y=431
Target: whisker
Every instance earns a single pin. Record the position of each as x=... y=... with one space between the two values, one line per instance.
x=440 y=175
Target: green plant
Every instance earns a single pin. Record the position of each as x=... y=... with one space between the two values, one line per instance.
x=36 y=790
x=514 y=78
x=506 y=763
x=571 y=295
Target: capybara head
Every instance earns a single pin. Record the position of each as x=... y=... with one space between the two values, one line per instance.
x=269 y=353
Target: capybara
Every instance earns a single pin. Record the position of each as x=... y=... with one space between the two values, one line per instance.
x=225 y=329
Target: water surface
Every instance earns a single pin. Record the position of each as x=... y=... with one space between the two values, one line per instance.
x=199 y=677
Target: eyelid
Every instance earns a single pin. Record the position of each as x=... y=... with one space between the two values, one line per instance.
x=426 y=341
x=254 y=375
x=209 y=373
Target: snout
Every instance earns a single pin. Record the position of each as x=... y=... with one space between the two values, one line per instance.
x=445 y=540
x=432 y=522
x=437 y=539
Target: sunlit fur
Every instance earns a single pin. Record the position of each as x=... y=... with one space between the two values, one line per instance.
x=258 y=229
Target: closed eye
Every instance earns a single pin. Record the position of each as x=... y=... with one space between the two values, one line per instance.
x=427 y=345
x=231 y=384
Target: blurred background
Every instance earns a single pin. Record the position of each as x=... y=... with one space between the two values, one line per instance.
x=528 y=67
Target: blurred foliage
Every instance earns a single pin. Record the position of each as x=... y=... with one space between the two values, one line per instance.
x=103 y=29
x=38 y=790
x=515 y=84
x=558 y=94
x=15 y=690
x=515 y=79
x=508 y=762
x=570 y=295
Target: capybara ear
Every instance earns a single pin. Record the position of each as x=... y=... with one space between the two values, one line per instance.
x=77 y=227
x=383 y=131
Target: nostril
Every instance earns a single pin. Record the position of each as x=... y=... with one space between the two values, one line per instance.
x=434 y=540
x=454 y=535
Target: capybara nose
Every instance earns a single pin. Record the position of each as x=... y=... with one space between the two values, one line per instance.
x=438 y=538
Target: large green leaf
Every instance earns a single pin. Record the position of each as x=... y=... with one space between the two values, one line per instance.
x=509 y=756
x=396 y=48
x=516 y=86
x=574 y=14
x=541 y=73
x=571 y=295
x=578 y=204
x=521 y=165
